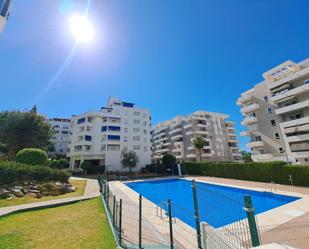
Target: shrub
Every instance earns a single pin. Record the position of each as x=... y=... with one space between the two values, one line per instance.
x=58 y=164
x=253 y=171
x=168 y=159
x=92 y=169
x=32 y=156
x=16 y=172
x=156 y=168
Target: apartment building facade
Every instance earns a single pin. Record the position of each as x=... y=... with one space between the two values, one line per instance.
x=176 y=137
x=100 y=136
x=61 y=138
x=276 y=114
x=4 y=13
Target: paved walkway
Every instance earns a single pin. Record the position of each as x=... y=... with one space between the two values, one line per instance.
x=91 y=191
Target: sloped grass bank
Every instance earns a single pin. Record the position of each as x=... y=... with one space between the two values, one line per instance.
x=80 y=225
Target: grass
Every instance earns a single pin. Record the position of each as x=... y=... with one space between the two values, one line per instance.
x=79 y=184
x=80 y=225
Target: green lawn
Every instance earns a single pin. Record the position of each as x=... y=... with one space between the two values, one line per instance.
x=81 y=225
x=79 y=184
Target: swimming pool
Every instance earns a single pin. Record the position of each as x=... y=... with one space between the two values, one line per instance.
x=218 y=205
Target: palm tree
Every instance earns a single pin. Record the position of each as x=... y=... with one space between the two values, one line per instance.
x=198 y=144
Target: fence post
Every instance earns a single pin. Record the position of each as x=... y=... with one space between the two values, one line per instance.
x=107 y=196
x=255 y=240
x=120 y=222
x=196 y=215
x=170 y=222
x=114 y=208
x=104 y=190
x=140 y=223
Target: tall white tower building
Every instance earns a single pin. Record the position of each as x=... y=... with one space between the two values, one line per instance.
x=100 y=136
x=4 y=13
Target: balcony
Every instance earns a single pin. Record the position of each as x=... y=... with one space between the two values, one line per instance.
x=187 y=126
x=299 y=128
x=291 y=93
x=292 y=108
x=175 y=131
x=250 y=108
x=255 y=144
x=176 y=150
x=191 y=155
x=298 y=138
x=244 y=99
x=247 y=133
x=249 y=120
x=295 y=122
x=176 y=137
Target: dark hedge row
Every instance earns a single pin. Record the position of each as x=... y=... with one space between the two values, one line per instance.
x=260 y=172
x=16 y=172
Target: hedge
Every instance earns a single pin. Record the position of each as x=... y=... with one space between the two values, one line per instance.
x=253 y=171
x=32 y=156
x=16 y=172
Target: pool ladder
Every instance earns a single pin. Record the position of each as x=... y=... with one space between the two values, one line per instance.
x=162 y=213
x=271 y=187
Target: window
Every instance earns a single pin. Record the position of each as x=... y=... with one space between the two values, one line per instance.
x=135 y=113
x=113 y=137
x=136 y=147
x=136 y=138
x=144 y=123
x=78 y=148
x=125 y=139
x=136 y=129
x=125 y=130
x=113 y=128
x=103 y=138
x=81 y=120
x=265 y=98
x=145 y=140
x=113 y=147
x=136 y=121
x=145 y=148
x=270 y=110
x=306 y=81
x=281 y=150
x=273 y=122
x=277 y=135
x=145 y=115
x=104 y=119
x=87 y=138
x=104 y=128
x=103 y=147
x=145 y=132
x=65 y=132
x=87 y=147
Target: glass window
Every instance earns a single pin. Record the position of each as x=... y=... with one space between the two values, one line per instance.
x=87 y=138
x=265 y=98
x=273 y=122
x=281 y=150
x=270 y=110
x=113 y=137
x=104 y=128
x=277 y=135
x=136 y=147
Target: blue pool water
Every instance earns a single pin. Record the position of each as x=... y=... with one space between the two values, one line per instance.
x=218 y=205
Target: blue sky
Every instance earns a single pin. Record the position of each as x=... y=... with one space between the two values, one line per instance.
x=171 y=56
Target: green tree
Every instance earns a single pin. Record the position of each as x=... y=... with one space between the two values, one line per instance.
x=20 y=130
x=168 y=159
x=246 y=156
x=129 y=160
x=198 y=144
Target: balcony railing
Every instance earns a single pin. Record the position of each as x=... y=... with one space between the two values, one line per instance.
x=249 y=120
x=291 y=93
x=255 y=144
x=250 y=108
x=291 y=108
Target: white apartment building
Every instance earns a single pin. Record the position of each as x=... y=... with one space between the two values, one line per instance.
x=175 y=137
x=62 y=135
x=100 y=136
x=4 y=13
x=276 y=113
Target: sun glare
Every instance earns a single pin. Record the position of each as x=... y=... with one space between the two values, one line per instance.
x=81 y=28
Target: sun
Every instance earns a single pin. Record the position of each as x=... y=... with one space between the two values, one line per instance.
x=81 y=28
